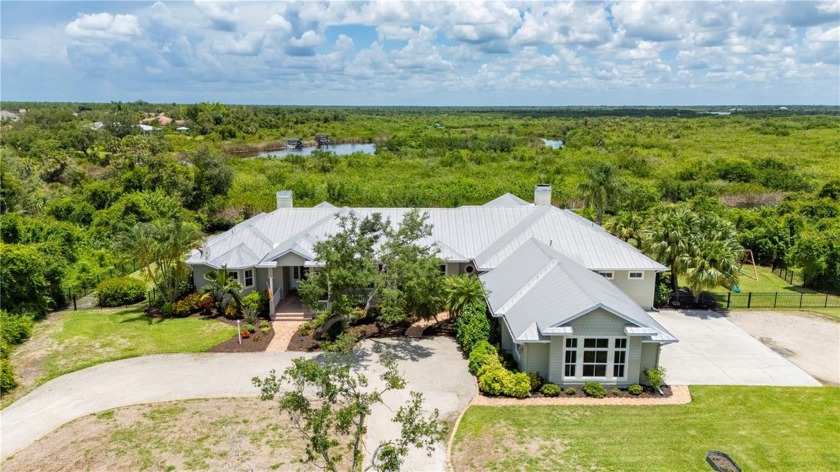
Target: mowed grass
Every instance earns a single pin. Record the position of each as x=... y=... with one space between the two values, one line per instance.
x=90 y=337
x=761 y=428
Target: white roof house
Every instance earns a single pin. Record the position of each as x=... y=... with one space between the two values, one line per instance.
x=568 y=294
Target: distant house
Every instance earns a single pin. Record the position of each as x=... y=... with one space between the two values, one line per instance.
x=146 y=129
x=98 y=125
x=182 y=129
x=161 y=118
x=568 y=295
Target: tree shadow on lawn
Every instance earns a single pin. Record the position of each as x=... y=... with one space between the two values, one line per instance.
x=401 y=349
x=142 y=317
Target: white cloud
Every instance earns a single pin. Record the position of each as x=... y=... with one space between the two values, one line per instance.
x=278 y=23
x=103 y=26
x=223 y=15
x=248 y=44
x=308 y=39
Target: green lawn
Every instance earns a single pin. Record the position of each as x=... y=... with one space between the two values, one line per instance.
x=90 y=337
x=767 y=281
x=761 y=428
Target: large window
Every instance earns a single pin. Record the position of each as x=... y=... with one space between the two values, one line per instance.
x=249 y=278
x=595 y=358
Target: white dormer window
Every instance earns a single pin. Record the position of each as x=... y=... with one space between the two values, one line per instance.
x=608 y=275
x=636 y=275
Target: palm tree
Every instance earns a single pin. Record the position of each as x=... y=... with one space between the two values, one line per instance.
x=224 y=288
x=713 y=260
x=600 y=188
x=462 y=290
x=669 y=238
x=627 y=226
x=159 y=248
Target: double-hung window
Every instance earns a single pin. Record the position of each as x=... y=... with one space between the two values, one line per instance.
x=233 y=274
x=595 y=358
x=249 y=278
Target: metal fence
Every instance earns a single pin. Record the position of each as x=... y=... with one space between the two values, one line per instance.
x=776 y=300
x=791 y=276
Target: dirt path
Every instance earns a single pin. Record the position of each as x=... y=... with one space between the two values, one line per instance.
x=810 y=341
x=30 y=359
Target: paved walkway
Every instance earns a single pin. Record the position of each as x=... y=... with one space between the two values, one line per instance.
x=283 y=332
x=433 y=366
x=713 y=351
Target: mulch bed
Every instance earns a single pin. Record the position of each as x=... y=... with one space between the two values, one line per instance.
x=257 y=342
x=369 y=328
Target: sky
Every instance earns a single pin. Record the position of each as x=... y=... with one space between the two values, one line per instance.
x=441 y=53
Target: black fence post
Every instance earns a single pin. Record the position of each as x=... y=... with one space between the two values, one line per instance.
x=74 y=302
x=749 y=299
x=826 y=301
x=801 y=294
x=728 y=299
x=775 y=298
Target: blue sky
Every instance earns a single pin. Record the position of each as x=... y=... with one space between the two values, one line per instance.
x=423 y=53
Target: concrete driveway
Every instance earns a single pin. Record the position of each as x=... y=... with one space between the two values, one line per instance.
x=433 y=366
x=713 y=351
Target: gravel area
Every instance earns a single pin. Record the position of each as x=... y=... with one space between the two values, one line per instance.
x=810 y=341
x=679 y=396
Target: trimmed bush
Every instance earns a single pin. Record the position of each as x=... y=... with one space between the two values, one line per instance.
x=635 y=389
x=550 y=390
x=594 y=389
x=121 y=291
x=15 y=329
x=494 y=379
x=472 y=326
x=249 y=328
x=615 y=391
x=258 y=301
x=265 y=327
x=181 y=308
x=193 y=301
x=479 y=355
x=571 y=391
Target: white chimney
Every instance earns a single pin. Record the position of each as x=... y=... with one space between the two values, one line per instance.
x=542 y=194
x=284 y=199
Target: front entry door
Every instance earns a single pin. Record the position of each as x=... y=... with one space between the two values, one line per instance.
x=298 y=273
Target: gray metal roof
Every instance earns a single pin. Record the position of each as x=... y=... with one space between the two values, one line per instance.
x=486 y=234
x=538 y=285
x=507 y=199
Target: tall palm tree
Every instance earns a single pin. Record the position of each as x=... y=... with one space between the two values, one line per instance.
x=714 y=257
x=669 y=238
x=462 y=290
x=159 y=248
x=627 y=226
x=600 y=189
x=224 y=288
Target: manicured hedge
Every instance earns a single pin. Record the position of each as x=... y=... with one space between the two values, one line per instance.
x=472 y=326
x=121 y=291
x=495 y=379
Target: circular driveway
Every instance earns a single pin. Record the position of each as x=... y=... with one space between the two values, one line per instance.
x=713 y=351
x=433 y=366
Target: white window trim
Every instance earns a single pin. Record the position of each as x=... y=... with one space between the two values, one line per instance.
x=636 y=272
x=611 y=349
x=607 y=274
x=245 y=278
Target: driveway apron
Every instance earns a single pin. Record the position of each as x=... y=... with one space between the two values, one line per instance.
x=713 y=351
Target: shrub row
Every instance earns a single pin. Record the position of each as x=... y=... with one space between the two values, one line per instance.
x=495 y=379
x=472 y=326
x=14 y=329
x=121 y=291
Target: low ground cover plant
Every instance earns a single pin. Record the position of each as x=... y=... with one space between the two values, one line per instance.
x=635 y=389
x=550 y=390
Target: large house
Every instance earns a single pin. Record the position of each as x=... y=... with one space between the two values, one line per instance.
x=569 y=296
